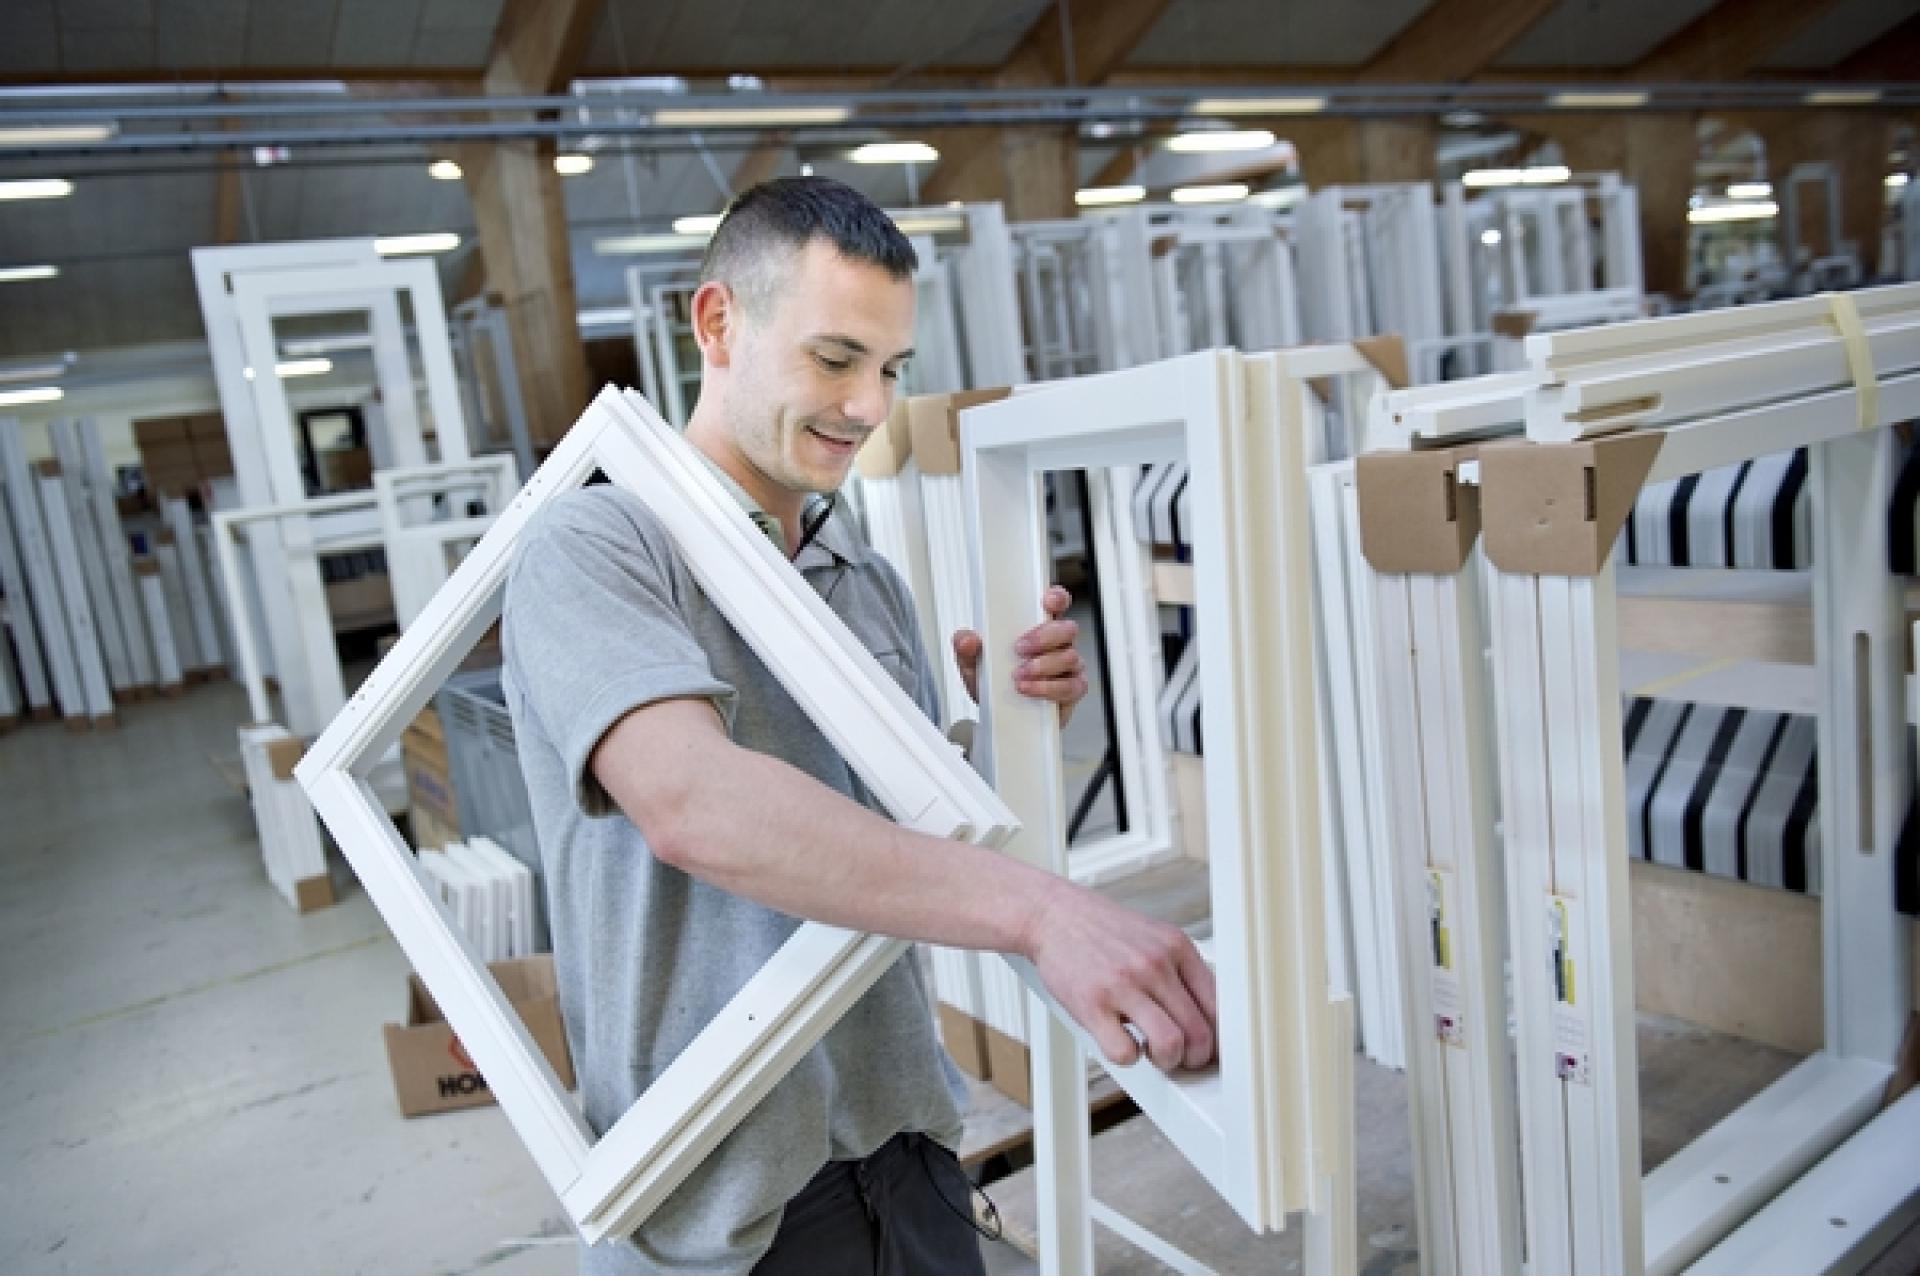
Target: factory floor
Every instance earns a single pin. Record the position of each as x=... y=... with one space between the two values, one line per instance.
x=195 y=1079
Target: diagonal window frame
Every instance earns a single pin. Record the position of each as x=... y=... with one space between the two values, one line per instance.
x=610 y=1186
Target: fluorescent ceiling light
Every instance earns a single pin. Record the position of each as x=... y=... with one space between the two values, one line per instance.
x=748 y=116
x=306 y=346
x=297 y=368
x=1258 y=105
x=1842 y=97
x=1896 y=180
x=702 y=224
x=36 y=188
x=1208 y=141
x=1538 y=175
x=928 y=223
x=1749 y=190
x=1100 y=196
x=37 y=371
x=1223 y=193
x=1707 y=214
x=1282 y=197
x=1592 y=100
x=444 y=171
x=629 y=245
x=38 y=394
x=572 y=165
x=604 y=316
x=439 y=241
x=1490 y=237
x=20 y=274
x=894 y=153
x=55 y=134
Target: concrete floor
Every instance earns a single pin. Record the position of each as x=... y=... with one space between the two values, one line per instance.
x=196 y=1082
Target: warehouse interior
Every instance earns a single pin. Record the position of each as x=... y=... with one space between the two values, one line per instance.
x=1500 y=413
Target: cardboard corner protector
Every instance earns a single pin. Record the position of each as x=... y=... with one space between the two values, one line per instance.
x=1388 y=355
x=1555 y=509
x=1416 y=517
x=889 y=448
x=934 y=426
x=283 y=755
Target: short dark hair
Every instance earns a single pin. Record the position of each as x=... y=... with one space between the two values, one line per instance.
x=785 y=215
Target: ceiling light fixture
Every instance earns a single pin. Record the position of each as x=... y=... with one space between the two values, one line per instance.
x=444 y=171
x=928 y=223
x=1896 y=180
x=1842 y=97
x=1538 y=175
x=630 y=245
x=1104 y=196
x=1258 y=105
x=296 y=368
x=37 y=371
x=21 y=274
x=894 y=153
x=1220 y=193
x=1592 y=100
x=38 y=394
x=1490 y=237
x=573 y=165
x=1281 y=197
x=748 y=116
x=36 y=188
x=56 y=134
x=1709 y=214
x=700 y=224
x=438 y=241
x=1213 y=141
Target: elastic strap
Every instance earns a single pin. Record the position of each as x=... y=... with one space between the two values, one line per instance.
x=1846 y=320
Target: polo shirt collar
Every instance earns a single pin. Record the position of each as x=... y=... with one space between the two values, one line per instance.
x=831 y=545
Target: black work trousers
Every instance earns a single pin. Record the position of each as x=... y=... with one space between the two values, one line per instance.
x=904 y=1211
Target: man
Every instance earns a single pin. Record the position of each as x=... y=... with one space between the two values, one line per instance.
x=688 y=812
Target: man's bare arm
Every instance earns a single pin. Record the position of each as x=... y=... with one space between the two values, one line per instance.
x=754 y=826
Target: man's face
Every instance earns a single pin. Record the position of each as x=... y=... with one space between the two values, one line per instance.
x=815 y=373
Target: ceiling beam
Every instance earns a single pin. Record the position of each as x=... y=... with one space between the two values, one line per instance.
x=976 y=163
x=762 y=162
x=1727 y=41
x=1453 y=40
x=1895 y=55
x=538 y=47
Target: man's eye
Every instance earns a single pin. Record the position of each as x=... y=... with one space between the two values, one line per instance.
x=832 y=365
x=891 y=374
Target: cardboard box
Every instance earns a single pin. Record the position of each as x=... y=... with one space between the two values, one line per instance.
x=1009 y=1067
x=212 y=456
x=160 y=429
x=431 y=1069
x=965 y=1038
x=423 y=757
x=208 y=426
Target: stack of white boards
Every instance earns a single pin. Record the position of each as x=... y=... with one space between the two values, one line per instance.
x=487 y=893
x=290 y=843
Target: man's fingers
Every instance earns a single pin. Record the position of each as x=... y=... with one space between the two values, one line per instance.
x=1196 y=1028
x=1048 y=636
x=1113 y=1038
x=1197 y=975
x=966 y=646
x=1056 y=600
x=1053 y=664
x=1166 y=1044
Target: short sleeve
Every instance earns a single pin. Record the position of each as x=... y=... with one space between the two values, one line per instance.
x=594 y=627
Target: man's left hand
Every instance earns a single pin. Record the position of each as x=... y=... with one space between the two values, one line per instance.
x=1049 y=668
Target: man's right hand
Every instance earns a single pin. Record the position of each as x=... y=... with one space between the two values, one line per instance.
x=1109 y=966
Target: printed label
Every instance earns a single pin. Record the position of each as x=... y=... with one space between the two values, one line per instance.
x=1449 y=1004
x=1572 y=1040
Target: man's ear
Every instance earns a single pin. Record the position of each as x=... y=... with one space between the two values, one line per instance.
x=716 y=322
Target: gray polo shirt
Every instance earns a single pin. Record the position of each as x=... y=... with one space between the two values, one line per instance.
x=602 y=617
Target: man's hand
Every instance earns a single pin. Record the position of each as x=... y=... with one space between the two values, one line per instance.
x=1109 y=967
x=1049 y=668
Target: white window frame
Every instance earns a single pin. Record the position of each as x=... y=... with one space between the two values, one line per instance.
x=610 y=1187
x=1715 y=389
x=416 y=548
x=1264 y=1128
